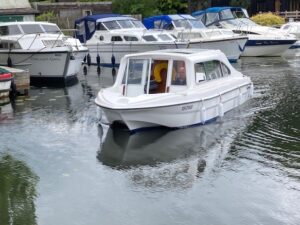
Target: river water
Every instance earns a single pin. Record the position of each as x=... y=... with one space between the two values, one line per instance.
x=58 y=166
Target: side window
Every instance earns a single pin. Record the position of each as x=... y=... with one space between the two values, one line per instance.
x=225 y=70
x=179 y=77
x=158 y=78
x=130 y=38
x=199 y=73
x=212 y=70
x=100 y=26
x=116 y=38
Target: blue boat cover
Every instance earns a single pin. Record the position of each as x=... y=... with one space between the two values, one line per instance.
x=83 y=31
x=215 y=10
x=163 y=20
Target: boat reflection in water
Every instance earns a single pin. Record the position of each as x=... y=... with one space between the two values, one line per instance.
x=164 y=158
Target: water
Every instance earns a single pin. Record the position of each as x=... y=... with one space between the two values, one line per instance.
x=57 y=166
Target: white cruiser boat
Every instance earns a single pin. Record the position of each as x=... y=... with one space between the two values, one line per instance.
x=188 y=28
x=292 y=28
x=173 y=88
x=41 y=48
x=110 y=36
x=263 y=41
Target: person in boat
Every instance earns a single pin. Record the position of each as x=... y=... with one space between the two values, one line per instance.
x=159 y=76
x=180 y=76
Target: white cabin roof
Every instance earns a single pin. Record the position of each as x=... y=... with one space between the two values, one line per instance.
x=189 y=54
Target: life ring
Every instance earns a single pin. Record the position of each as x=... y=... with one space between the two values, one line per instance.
x=157 y=70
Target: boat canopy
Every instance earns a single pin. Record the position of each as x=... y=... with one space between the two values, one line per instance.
x=86 y=26
x=216 y=14
x=168 y=22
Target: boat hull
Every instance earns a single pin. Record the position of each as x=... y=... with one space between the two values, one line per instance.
x=108 y=50
x=232 y=48
x=180 y=115
x=45 y=64
x=266 y=47
x=5 y=87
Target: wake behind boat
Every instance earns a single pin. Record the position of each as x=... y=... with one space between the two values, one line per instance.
x=173 y=88
x=41 y=48
x=263 y=41
x=111 y=36
x=187 y=28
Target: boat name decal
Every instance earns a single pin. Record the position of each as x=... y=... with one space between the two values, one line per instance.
x=186 y=107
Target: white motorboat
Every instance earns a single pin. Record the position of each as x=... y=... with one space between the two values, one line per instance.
x=5 y=84
x=111 y=36
x=263 y=40
x=292 y=28
x=41 y=48
x=173 y=88
x=188 y=28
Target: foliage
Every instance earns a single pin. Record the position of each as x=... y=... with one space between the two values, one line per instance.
x=47 y=16
x=240 y=3
x=149 y=7
x=268 y=19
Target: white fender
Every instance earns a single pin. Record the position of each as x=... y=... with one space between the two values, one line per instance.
x=221 y=109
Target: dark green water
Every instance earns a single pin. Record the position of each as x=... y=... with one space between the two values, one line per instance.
x=58 y=166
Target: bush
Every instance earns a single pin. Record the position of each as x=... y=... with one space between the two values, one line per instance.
x=47 y=16
x=268 y=19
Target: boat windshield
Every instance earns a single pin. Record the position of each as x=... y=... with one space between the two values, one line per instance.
x=239 y=22
x=125 y=24
x=32 y=28
x=51 y=28
x=137 y=24
x=10 y=30
x=112 y=25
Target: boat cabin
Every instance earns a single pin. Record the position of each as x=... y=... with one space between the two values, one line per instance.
x=170 y=71
x=19 y=35
x=108 y=28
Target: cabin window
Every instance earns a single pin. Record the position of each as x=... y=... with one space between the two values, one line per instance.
x=136 y=77
x=32 y=28
x=125 y=23
x=8 y=45
x=100 y=26
x=179 y=75
x=159 y=24
x=212 y=70
x=225 y=70
x=116 y=38
x=211 y=18
x=130 y=38
x=165 y=37
x=91 y=26
x=188 y=36
x=9 y=30
x=137 y=24
x=112 y=25
x=158 y=77
x=199 y=73
x=51 y=28
x=286 y=27
x=149 y=38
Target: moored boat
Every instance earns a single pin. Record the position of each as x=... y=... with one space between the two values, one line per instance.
x=263 y=40
x=111 y=36
x=41 y=48
x=187 y=28
x=173 y=88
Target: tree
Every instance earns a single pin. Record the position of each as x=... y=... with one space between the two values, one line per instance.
x=240 y=3
x=149 y=7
